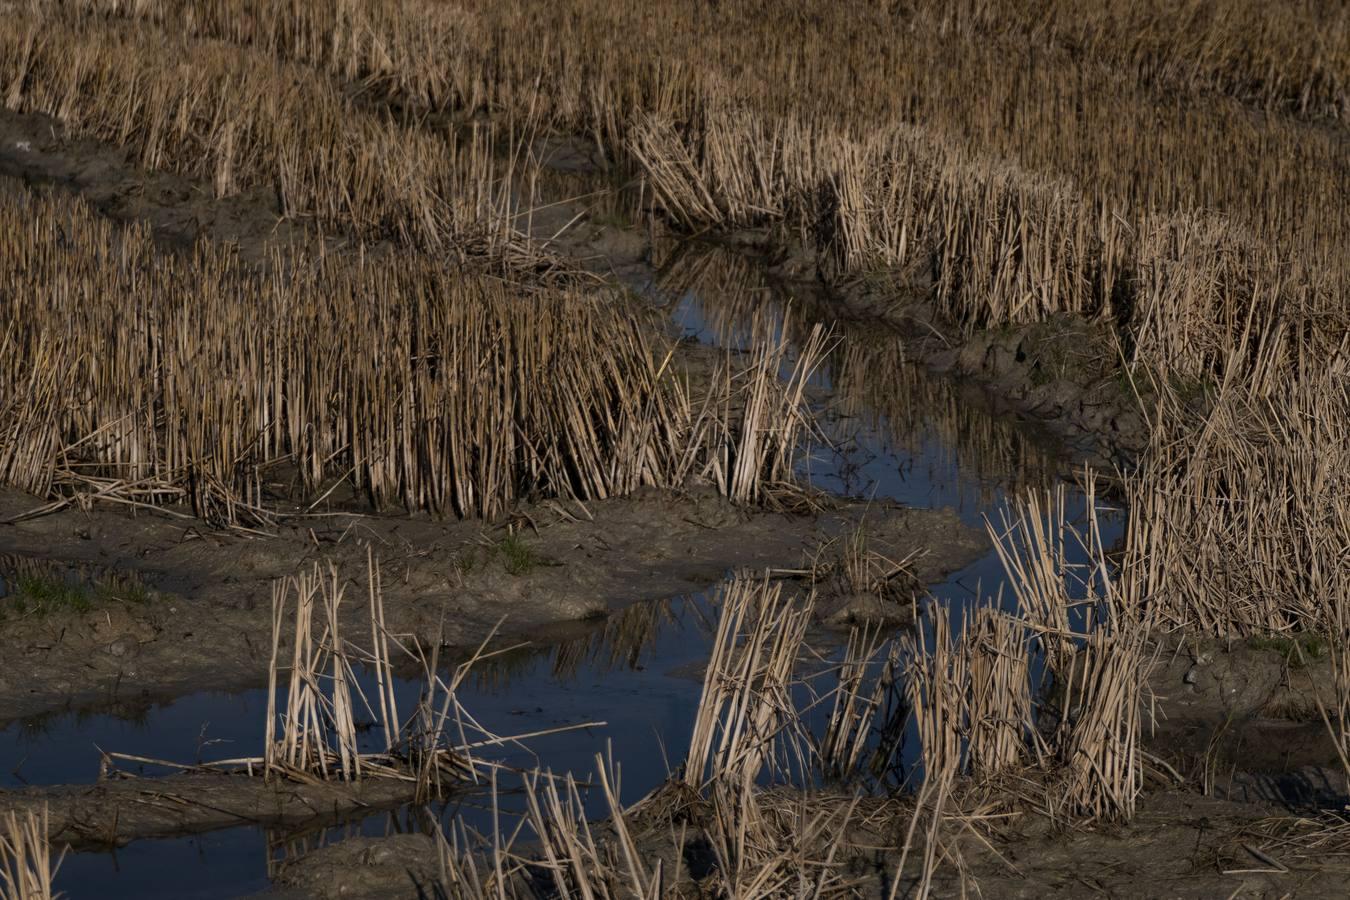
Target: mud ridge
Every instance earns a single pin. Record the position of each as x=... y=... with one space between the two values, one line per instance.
x=205 y=623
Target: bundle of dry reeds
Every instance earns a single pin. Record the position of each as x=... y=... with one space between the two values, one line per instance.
x=312 y=732
x=1089 y=623
x=864 y=676
x=26 y=867
x=1244 y=503
x=746 y=716
x=754 y=419
x=571 y=857
x=969 y=686
x=577 y=864
x=318 y=726
x=1214 y=302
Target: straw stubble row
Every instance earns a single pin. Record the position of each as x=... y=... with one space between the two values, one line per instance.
x=158 y=378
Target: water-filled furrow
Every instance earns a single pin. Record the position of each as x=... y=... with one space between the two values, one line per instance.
x=889 y=433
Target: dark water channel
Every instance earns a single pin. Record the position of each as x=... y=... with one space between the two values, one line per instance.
x=896 y=435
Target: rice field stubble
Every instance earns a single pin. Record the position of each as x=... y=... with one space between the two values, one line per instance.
x=1174 y=174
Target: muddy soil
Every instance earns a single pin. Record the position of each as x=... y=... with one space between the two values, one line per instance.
x=1180 y=845
x=179 y=211
x=1233 y=807
x=1241 y=717
x=1252 y=820
x=207 y=621
x=206 y=626
x=114 y=811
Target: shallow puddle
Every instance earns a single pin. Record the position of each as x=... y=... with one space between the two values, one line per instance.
x=893 y=434
x=639 y=672
x=227 y=863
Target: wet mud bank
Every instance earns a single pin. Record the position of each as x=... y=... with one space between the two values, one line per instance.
x=115 y=811
x=1230 y=819
x=1064 y=374
x=36 y=151
x=199 y=617
x=1182 y=844
x=1242 y=718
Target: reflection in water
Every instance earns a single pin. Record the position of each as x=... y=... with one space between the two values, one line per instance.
x=62 y=747
x=619 y=645
x=614 y=644
x=568 y=677
x=894 y=431
x=895 y=434
x=627 y=671
x=549 y=201
x=31 y=584
x=723 y=299
x=921 y=417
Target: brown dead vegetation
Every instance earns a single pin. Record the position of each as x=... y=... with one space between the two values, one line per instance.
x=1173 y=173
x=148 y=379
x=991 y=750
x=239 y=119
x=26 y=867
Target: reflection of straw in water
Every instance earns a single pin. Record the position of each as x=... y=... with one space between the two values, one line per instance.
x=620 y=644
x=736 y=301
x=871 y=378
x=850 y=728
x=874 y=383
